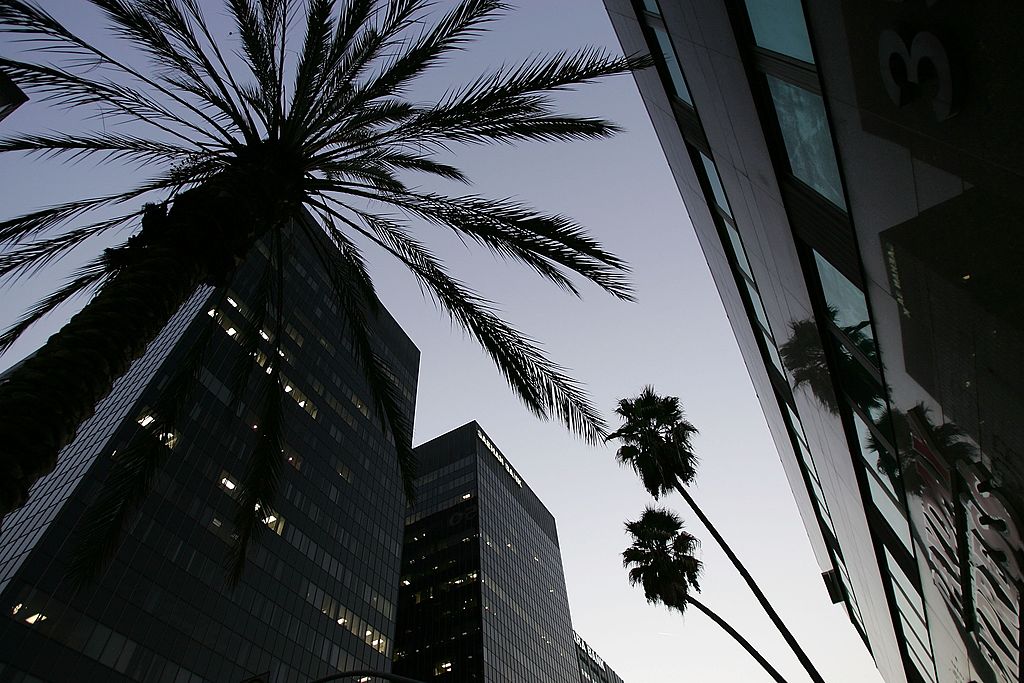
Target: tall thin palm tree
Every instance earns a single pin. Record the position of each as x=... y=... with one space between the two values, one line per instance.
x=660 y=560
x=300 y=120
x=656 y=444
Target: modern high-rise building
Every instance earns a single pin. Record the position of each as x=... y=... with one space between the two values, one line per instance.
x=319 y=590
x=592 y=668
x=853 y=170
x=483 y=594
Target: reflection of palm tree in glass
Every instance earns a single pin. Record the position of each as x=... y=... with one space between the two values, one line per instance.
x=948 y=439
x=661 y=561
x=804 y=357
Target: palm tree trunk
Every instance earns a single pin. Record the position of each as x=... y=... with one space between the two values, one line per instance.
x=44 y=399
x=739 y=639
x=754 y=588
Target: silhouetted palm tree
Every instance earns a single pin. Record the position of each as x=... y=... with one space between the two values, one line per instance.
x=271 y=133
x=656 y=444
x=660 y=560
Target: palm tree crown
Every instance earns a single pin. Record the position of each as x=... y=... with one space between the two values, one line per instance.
x=661 y=559
x=656 y=441
x=278 y=130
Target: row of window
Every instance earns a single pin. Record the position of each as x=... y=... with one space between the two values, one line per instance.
x=780 y=31
x=733 y=245
x=802 y=125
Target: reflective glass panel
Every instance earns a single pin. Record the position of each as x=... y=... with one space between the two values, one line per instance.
x=672 y=64
x=773 y=353
x=737 y=248
x=779 y=26
x=652 y=6
x=892 y=513
x=755 y=297
x=849 y=304
x=875 y=455
x=716 y=184
x=903 y=582
x=808 y=141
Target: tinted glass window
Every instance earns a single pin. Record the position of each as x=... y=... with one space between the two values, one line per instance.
x=674 y=71
x=755 y=298
x=806 y=135
x=737 y=247
x=849 y=304
x=779 y=26
x=652 y=6
x=716 y=184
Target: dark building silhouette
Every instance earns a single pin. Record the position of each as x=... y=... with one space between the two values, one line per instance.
x=592 y=668
x=11 y=96
x=320 y=586
x=483 y=594
x=853 y=173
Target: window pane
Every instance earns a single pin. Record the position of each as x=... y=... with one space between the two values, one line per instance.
x=779 y=26
x=849 y=304
x=773 y=353
x=806 y=135
x=737 y=248
x=652 y=6
x=674 y=71
x=892 y=513
x=716 y=184
x=875 y=455
x=755 y=297
x=903 y=582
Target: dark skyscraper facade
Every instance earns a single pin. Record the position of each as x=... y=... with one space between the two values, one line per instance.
x=592 y=668
x=319 y=590
x=853 y=172
x=483 y=594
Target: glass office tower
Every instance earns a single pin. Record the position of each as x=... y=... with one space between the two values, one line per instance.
x=853 y=172
x=320 y=585
x=592 y=667
x=483 y=594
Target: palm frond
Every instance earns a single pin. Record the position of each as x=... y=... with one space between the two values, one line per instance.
x=135 y=467
x=34 y=26
x=449 y=34
x=260 y=483
x=109 y=146
x=257 y=47
x=309 y=73
x=85 y=279
x=357 y=296
x=544 y=387
x=29 y=258
x=521 y=233
x=130 y=480
x=63 y=88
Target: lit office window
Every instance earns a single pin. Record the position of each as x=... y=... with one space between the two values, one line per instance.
x=808 y=141
x=779 y=26
x=672 y=64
